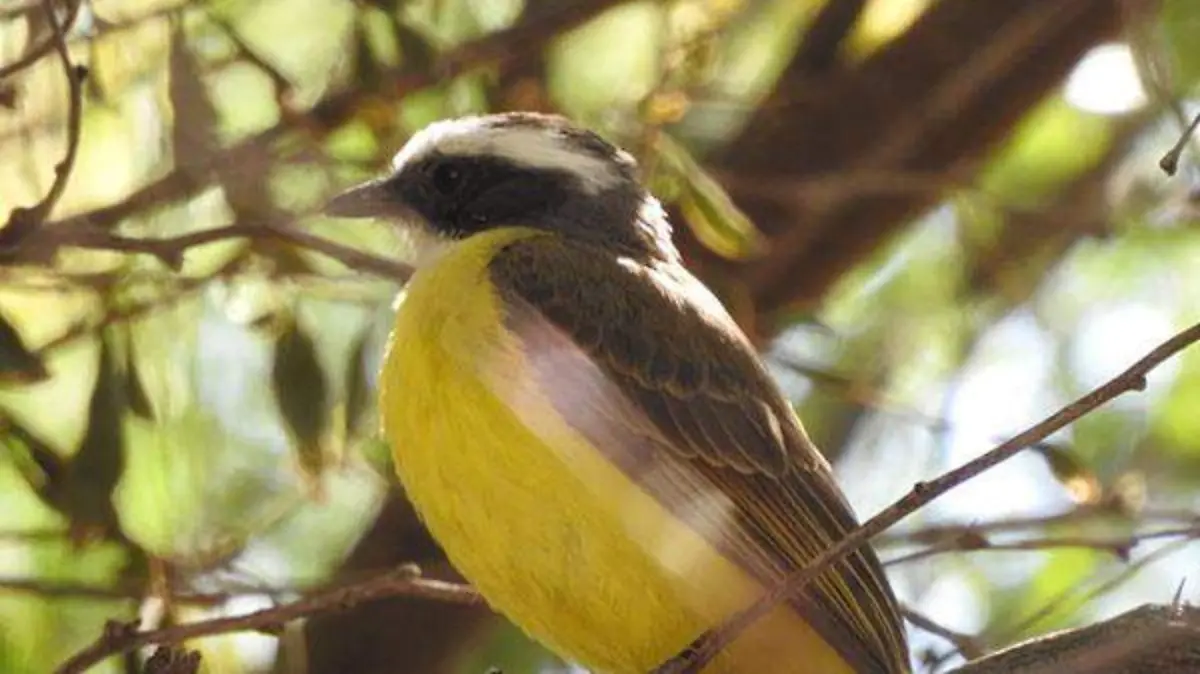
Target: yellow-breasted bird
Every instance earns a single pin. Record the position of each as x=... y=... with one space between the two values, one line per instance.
x=585 y=430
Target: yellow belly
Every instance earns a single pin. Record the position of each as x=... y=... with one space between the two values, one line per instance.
x=554 y=537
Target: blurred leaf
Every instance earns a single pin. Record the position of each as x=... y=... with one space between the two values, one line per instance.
x=97 y=467
x=1128 y=492
x=376 y=43
x=1054 y=143
x=1078 y=479
x=1174 y=423
x=419 y=54
x=358 y=389
x=1180 y=23
x=712 y=216
x=18 y=365
x=300 y=389
x=1052 y=595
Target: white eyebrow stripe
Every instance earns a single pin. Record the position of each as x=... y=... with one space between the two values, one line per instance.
x=526 y=146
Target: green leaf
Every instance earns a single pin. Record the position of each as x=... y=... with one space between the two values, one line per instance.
x=1054 y=593
x=301 y=391
x=97 y=467
x=18 y=365
x=707 y=209
x=1180 y=22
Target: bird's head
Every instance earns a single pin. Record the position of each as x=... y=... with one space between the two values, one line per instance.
x=460 y=177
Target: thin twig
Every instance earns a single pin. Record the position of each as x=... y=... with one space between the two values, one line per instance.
x=23 y=221
x=1106 y=509
x=170 y=250
x=705 y=648
x=1121 y=546
x=405 y=581
x=1170 y=161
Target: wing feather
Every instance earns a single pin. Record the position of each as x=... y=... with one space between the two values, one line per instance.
x=678 y=398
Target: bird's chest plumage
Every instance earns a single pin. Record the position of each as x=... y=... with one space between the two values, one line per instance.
x=553 y=535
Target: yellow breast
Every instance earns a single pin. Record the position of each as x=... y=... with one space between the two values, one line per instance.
x=555 y=537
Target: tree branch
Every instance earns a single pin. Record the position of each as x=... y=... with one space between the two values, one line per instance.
x=23 y=221
x=119 y=637
x=1146 y=640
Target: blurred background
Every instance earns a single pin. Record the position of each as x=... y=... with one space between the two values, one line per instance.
x=941 y=220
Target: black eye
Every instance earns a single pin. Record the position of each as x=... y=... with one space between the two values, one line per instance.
x=446 y=178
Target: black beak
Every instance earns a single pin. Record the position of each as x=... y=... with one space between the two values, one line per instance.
x=373 y=199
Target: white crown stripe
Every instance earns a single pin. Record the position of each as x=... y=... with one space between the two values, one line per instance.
x=528 y=146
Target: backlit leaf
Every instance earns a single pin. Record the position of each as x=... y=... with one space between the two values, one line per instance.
x=1081 y=483
x=712 y=216
x=358 y=389
x=300 y=390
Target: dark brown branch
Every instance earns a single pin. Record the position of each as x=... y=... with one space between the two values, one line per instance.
x=24 y=221
x=120 y=637
x=823 y=41
x=709 y=644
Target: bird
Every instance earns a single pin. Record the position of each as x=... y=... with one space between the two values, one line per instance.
x=585 y=430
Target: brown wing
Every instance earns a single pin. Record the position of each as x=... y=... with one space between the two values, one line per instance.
x=682 y=404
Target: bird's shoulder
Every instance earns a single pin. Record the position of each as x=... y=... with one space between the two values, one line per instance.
x=667 y=344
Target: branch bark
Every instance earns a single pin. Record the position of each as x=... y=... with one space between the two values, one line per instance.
x=1147 y=640
x=932 y=101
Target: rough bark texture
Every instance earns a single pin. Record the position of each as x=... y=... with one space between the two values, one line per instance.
x=932 y=102
x=1146 y=640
